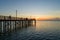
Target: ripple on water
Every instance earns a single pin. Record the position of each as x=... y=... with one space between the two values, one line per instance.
x=48 y=33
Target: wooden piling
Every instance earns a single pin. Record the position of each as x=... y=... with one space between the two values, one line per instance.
x=23 y=23
x=2 y=26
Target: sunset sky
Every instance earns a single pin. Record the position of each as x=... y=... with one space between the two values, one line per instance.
x=31 y=8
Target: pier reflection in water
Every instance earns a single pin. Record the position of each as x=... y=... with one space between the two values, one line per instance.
x=13 y=25
x=44 y=30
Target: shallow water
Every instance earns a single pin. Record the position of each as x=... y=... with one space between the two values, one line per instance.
x=44 y=30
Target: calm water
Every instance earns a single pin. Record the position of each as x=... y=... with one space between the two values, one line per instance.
x=44 y=30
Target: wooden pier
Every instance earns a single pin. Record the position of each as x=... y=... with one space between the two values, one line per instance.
x=8 y=25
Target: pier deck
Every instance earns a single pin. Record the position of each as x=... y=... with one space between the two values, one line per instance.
x=7 y=25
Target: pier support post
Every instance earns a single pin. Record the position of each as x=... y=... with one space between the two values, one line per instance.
x=2 y=26
x=10 y=25
x=15 y=25
x=10 y=22
x=35 y=22
x=22 y=23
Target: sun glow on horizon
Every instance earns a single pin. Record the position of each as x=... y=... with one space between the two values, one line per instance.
x=44 y=18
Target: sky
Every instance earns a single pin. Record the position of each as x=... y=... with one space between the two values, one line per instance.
x=30 y=8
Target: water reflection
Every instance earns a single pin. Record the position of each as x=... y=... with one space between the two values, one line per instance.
x=48 y=25
x=44 y=30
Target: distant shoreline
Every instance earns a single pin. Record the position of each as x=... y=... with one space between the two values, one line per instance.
x=47 y=20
